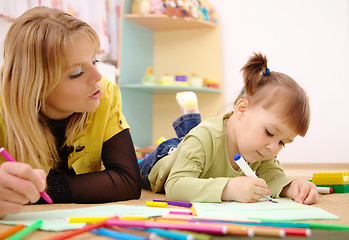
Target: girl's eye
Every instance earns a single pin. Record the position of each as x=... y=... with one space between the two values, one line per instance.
x=268 y=133
x=95 y=61
x=76 y=74
x=282 y=143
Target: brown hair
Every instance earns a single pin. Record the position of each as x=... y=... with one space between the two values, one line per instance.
x=275 y=91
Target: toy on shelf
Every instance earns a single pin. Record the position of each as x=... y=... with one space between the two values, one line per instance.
x=156 y=6
x=195 y=81
x=212 y=84
x=167 y=79
x=181 y=79
x=141 y=7
x=338 y=181
x=148 y=78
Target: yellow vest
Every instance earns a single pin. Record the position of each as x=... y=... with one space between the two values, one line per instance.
x=101 y=124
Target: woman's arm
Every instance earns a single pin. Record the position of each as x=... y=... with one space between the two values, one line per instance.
x=119 y=181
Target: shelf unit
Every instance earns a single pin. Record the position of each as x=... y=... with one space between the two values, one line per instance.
x=169 y=45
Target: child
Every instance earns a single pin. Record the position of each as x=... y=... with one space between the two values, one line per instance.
x=271 y=110
x=60 y=117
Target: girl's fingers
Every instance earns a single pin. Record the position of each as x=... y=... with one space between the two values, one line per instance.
x=9 y=208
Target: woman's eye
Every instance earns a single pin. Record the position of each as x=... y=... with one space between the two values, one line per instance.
x=268 y=133
x=95 y=61
x=76 y=74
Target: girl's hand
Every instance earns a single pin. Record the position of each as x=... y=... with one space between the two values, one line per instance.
x=245 y=189
x=19 y=184
x=302 y=191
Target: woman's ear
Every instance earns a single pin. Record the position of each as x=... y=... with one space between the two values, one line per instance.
x=241 y=108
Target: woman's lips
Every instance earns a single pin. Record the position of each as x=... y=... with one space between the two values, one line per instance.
x=97 y=94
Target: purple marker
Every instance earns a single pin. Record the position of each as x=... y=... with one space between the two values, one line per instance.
x=179 y=204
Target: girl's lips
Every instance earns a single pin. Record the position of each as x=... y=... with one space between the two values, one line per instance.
x=260 y=154
x=97 y=94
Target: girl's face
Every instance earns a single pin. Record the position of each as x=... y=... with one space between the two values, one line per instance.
x=79 y=89
x=257 y=133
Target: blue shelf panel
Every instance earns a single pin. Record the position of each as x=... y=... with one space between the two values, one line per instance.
x=156 y=89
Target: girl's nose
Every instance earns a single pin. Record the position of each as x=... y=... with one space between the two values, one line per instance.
x=272 y=146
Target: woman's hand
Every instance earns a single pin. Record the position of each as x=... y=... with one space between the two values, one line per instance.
x=245 y=189
x=302 y=191
x=19 y=184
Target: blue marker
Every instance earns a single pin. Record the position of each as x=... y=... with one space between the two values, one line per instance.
x=117 y=235
x=245 y=168
x=170 y=234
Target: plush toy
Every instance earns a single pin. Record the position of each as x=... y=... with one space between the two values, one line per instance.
x=141 y=7
x=156 y=6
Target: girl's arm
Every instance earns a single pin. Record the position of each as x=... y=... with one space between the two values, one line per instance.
x=119 y=181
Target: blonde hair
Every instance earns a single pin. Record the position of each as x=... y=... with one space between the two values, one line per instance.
x=276 y=91
x=36 y=51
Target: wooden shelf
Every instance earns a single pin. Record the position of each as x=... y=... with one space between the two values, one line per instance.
x=156 y=89
x=162 y=22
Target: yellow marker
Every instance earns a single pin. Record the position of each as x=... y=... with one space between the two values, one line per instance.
x=134 y=218
x=156 y=204
x=193 y=211
x=86 y=219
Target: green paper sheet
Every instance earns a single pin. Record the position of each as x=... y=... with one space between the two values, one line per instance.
x=285 y=209
x=57 y=220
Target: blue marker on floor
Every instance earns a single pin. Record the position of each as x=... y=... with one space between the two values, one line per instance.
x=245 y=168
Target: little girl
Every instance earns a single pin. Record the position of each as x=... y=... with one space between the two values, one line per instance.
x=271 y=110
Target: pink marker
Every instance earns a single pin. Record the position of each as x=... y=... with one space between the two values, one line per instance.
x=9 y=158
x=194 y=227
x=180 y=213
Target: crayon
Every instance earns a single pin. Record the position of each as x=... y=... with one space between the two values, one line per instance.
x=151 y=236
x=180 y=213
x=86 y=219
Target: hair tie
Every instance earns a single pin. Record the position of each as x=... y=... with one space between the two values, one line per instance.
x=242 y=90
x=266 y=71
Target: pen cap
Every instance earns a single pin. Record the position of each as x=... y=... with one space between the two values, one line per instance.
x=237 y=157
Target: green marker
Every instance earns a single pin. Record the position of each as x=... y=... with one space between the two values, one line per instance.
x=21 y=234
x=328 y=226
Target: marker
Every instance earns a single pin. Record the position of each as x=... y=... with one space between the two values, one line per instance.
x=9 y=158
x=324 y=190
x=170 y=234
x=24 y=232
x=180 y=213
x=86 y=219
x=87 y=228
x=179 y=204
x=11 y=231
x=156 y=204
x=179 y=226
x=117 y=235
x=245 y=168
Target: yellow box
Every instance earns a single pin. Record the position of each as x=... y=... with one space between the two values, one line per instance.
x=332 y=178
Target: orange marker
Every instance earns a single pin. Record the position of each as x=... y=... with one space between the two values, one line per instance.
x=11 y=231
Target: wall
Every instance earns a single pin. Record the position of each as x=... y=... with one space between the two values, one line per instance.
x=308 y=40
x=4 y=26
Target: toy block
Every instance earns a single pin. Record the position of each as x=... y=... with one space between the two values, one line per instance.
x=344 y=188
x=330 y=178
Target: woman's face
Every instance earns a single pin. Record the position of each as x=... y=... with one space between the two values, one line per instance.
x=79 y=89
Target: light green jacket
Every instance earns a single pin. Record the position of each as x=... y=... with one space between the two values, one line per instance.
x=200 y=168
